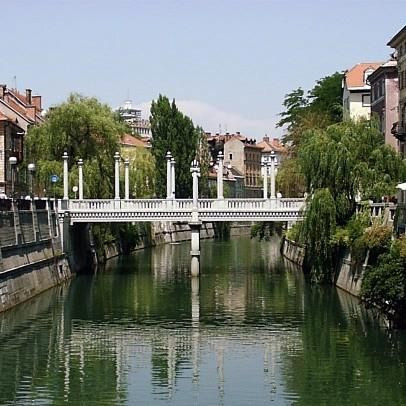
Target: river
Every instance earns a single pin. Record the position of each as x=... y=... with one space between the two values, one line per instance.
x=250 y=331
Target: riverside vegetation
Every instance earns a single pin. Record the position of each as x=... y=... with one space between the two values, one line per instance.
x=90 y=130
x=340 y=164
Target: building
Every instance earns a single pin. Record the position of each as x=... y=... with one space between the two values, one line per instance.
x=241 y=154
x=17 y=113
x=133 y=118
x=385 y=99
x=272 y=144
x=398 y=42
x=357 y=91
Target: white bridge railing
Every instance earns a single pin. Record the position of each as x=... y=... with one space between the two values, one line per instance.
x=182 y=204
x=122 y=210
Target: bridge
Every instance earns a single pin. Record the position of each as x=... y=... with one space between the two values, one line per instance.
x=193 y=211
x=207 y=210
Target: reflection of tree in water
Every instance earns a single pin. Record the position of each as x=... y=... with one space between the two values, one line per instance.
x=148 y=323
x=346 y=358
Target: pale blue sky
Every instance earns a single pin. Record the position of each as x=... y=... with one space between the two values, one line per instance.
x=226 y=62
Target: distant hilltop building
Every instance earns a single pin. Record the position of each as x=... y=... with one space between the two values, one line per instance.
x=133 y=117
x=357 y=91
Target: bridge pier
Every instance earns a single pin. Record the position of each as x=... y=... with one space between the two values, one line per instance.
x=195 y=248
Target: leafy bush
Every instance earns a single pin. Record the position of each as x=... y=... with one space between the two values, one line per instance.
x=384 y=285
x=294 y=233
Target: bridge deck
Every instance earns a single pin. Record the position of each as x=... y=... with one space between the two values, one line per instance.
x=209 y=210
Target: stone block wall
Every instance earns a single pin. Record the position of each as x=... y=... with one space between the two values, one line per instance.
x=31 y=258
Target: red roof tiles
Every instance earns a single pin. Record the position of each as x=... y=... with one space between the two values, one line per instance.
x=355 y=77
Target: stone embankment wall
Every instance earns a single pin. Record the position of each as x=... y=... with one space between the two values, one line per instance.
x=293 y=251
x=31 y=258
x=167 y=232
x=345 y=277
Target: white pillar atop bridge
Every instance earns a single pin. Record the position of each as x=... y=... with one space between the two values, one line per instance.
x=126 y=179
x=80 y=170
x=117 y=176
x=168 y=175
x=173 y=184
x=273 y=175
x=195 y=170
x=265 y=175
x=65 y=158
x=220 y=159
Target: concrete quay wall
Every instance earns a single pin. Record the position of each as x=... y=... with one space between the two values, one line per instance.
x=345 y=277
x=31 y=258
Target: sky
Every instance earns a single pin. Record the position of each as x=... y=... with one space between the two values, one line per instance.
x=228 y=64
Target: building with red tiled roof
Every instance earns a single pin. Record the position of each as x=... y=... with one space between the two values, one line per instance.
x=356 y=90
x=17 y=113
x=242 y=154
x=131 y=141
x=272 y=144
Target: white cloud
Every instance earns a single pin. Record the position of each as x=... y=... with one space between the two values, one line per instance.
x=210 y=118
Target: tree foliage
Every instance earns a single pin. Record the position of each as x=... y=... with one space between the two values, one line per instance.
x=318 y=227
x=203 y=156
x=172 y=131
x=350 y=159
x=84 y=128
x=320 y=108
x=142 y=172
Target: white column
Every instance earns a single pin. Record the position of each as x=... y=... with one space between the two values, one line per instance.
x=265 y=175
x=117 y=176
x=65 y=176
x=195 y=175
x=273 y=164
x=220 y=176
x=168 y=175
x=80 y=168
x=126 y=179
x=173 y=184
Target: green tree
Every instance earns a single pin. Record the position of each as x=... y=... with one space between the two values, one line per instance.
x=203 y=156
x=339 y=163
x=84 y=128
x=326 y=97
x=142 y=172
x=172 y=131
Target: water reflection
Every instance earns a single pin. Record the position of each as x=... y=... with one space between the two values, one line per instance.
x=249 y=330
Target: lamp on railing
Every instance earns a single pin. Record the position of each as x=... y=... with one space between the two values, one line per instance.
x=75 y=191
x=31 y=169
x=13 y=162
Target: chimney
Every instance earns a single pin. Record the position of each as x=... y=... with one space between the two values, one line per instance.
x=31 y=111
x=3 y=89
x=36 y=101
x=28 y=93
x=266 y=138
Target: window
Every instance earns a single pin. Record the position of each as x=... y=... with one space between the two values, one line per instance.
x=230 y=156
x=366 y=100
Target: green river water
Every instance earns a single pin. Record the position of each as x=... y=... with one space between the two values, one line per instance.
x=250 y=331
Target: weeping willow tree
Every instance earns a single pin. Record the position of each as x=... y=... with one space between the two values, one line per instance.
x=318 y=227
x=340 y=164
x=84 y=128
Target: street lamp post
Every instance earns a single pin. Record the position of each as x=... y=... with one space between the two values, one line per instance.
x=31 y=169
x=13 y=161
